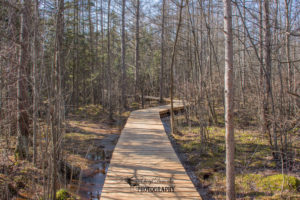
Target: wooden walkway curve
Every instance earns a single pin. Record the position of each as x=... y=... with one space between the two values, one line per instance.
x=144 y=164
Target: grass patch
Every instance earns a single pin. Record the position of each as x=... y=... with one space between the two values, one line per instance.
x=191 y=145
x=92 y=110
x=79 y=136
x=274 y=183
x=63 y=194
x=260 y=186
x=257 y=174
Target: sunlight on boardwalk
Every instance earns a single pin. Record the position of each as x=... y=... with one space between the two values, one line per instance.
x=144 y=164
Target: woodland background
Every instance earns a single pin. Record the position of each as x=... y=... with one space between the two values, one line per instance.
x=59 y=57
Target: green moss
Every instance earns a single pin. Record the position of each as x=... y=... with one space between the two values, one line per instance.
x=195 y=129
x=191 y=145
x=248 y=182
x=135 y=104
x=257 y=163
x=80 y=136
x=62 y=194
x=92 y=110
x=269 y=184
x=253 y=153
x=274 y=183
x=187 y=147
x=209 y=128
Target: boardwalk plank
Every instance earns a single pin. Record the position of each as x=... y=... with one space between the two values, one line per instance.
x=144 y=154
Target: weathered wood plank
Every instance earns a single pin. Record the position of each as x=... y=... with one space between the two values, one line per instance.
x=144 y=164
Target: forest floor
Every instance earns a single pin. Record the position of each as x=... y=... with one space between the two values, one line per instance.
x=88 y=133
x=257 y=176
x=87 y=144
x=91 y=137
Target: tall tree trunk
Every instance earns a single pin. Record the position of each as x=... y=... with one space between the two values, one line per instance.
x=102 y=52
x=57 y=94
x=288 y=54
x=98 y=66
x=172 y=67
x=123 y=100
x=77 y=53
x=229 y=105
x=244 y=57
x=92 y=59
x=270 y=123
x=137 y=50
x=162 y=49
x=261 y=69
x=35 y=74
x=21 y=151
x=108 y=61
x=198 y=55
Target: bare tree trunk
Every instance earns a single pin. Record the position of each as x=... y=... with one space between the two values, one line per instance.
x=21 y=151
x=77 y=53
x=57 y=94
x=162 y=49
x=92 y=61
x=267 y=47
x=123 y=98
x=35 y=74
x=137 y=50
x=172 y=67
x=102 y=52
x=98 y=64
x=288 y=54
x=198 y=55
x=229 y=105
x=108 y=61
x=268 y=78
x=244 y=57
x=261 y=77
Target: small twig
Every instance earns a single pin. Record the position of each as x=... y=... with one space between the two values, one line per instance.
x=293 y=94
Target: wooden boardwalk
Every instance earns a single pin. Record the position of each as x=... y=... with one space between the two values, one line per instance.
x=144 y=164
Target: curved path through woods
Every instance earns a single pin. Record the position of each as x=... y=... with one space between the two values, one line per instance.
x=144 y=165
